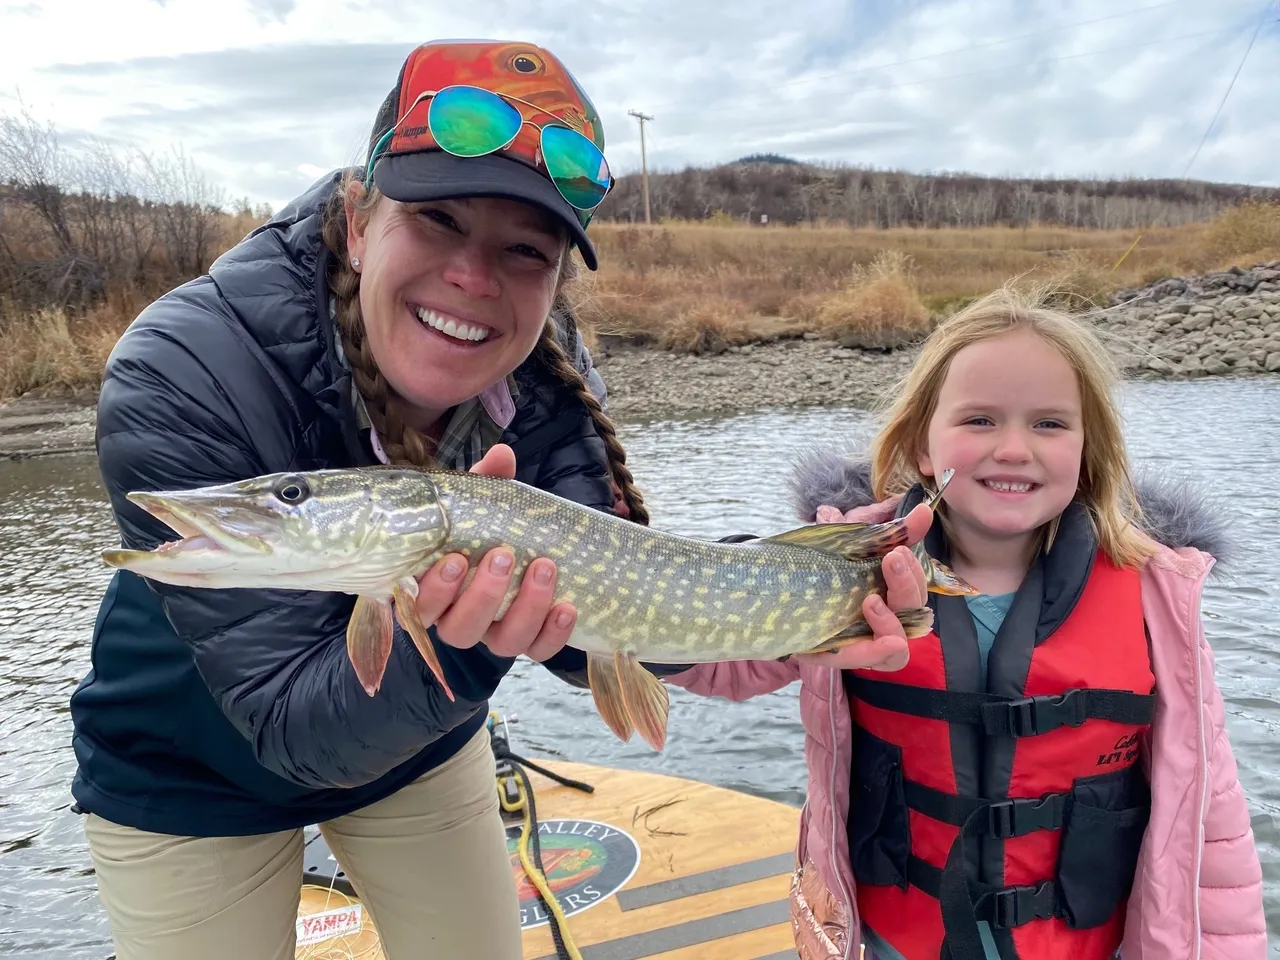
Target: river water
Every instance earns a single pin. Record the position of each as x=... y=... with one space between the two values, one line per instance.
x=703 y=477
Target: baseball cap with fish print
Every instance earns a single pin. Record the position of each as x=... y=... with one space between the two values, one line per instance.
x=488 y=118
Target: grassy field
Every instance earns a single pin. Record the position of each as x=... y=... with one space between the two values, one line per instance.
x=691 y=286
x=703 y=286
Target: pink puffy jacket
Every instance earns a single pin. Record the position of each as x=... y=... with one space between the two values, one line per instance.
x=1197 y=894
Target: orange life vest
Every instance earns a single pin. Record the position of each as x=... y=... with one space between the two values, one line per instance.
x=1021 y=803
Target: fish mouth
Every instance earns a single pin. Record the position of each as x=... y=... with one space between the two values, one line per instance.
x=212 y=525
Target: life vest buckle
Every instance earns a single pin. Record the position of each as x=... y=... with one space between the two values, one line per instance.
x=1015 y=906
x=1023 y=815
x=1032 y=716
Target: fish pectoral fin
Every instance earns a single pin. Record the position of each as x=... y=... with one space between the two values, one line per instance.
x=602 y=677
x=851 y=541
x=405 y=594
x=369 y=635
x=916 y=622
x=645 y=697
x=943 y=580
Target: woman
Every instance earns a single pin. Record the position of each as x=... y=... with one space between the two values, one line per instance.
x=403 y=312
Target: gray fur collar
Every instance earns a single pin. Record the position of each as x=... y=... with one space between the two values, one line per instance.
x=1178 y=512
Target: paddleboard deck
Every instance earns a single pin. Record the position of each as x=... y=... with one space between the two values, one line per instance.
x=647 y=867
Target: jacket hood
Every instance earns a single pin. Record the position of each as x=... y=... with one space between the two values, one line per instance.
x=1177 y=512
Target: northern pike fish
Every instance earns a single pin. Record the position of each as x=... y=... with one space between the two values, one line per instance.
x=641 y=594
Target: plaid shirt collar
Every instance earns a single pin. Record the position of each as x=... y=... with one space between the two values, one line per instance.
x=474 y=426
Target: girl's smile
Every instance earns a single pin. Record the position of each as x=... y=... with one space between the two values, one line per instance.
x=1008 y=420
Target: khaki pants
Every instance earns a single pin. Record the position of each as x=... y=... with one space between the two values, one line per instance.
x=429 y=863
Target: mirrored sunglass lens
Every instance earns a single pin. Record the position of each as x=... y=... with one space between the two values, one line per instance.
x=471 y=122
x=576 y=165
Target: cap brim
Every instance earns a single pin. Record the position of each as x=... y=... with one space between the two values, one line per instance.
x=436 y=175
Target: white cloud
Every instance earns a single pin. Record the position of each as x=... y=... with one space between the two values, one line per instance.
x=263 y=94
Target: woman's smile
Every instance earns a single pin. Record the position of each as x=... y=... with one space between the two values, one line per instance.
x=460 y=332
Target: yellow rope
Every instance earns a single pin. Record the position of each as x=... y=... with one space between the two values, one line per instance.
x=540 y=881
x=1125 y=256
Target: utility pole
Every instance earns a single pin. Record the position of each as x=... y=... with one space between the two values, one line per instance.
x=644 y=165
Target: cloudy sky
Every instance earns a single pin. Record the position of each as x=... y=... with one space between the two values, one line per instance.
x=266 y=95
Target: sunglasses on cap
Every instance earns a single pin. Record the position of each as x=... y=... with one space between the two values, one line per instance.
x=469 y=121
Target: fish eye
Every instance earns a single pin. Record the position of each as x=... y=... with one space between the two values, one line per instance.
x=526 y=63
x=292 y=490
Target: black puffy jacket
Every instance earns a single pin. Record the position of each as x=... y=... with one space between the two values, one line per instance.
x=211 y=712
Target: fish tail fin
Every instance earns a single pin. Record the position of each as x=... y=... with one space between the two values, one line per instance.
x=916 y=622
x=857 y=541
x=943 y=580
x=935 y=498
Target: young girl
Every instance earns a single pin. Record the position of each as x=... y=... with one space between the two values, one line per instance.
x=1047 y=775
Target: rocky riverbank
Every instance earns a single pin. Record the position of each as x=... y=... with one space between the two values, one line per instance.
x=1218 y=324
x=808 y=371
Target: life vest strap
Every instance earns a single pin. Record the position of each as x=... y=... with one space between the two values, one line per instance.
x=1001 y=907
x=1004 y=818
x=1007 y=716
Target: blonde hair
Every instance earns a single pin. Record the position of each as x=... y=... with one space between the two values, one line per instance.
x=402 y=442
x=1106 y=484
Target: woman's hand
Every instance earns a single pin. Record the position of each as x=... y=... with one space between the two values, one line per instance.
x=532 y=626
x=905 y=587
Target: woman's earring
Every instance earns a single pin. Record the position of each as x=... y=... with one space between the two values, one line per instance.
x=355 y=262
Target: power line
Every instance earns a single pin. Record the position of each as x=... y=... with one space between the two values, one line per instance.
x=1257 y=30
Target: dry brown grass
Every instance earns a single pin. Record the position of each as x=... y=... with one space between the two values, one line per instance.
x=702 y=287
x=690 y=286
x=53 y=353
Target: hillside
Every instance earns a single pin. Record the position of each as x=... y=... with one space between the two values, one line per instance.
x=791 y=193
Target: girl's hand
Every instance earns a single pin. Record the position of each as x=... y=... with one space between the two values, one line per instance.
x=532 y=626
x=905 y=586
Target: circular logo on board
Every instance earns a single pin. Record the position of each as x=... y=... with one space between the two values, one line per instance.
x=585 y=862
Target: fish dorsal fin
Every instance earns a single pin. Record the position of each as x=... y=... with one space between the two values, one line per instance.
x=857 y=541
x=849 y=541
